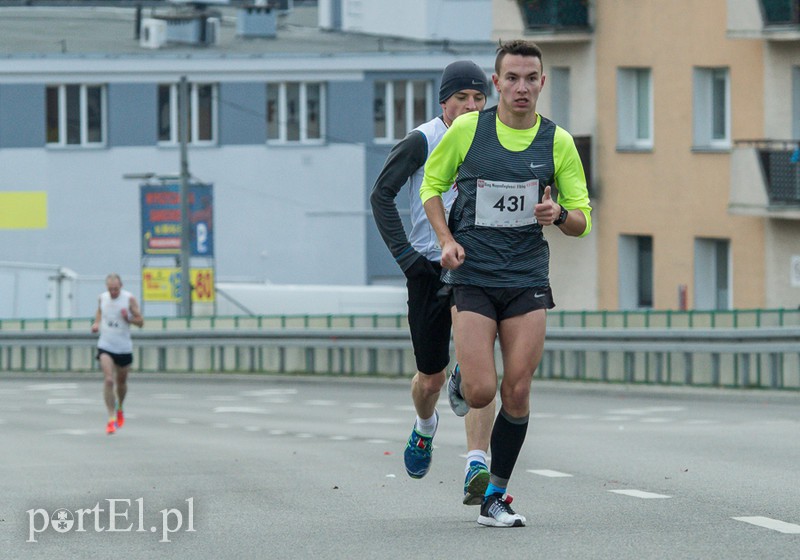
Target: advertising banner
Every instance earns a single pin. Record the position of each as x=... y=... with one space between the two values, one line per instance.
x=164 y=284
x=161 y=219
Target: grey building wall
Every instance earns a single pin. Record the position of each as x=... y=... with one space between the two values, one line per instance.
x=132 y=114
x=22 y=121
x=242 y=113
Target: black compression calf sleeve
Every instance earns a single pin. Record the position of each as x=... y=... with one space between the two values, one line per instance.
x=508 y=435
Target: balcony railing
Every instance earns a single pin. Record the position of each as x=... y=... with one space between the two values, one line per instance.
x=555 y=14
x=780 y=166
x=781 y=12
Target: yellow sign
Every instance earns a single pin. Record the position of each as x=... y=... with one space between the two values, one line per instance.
x=23 y=210
x=164 y=284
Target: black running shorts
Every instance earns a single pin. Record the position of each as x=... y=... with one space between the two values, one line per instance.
x=429 y=321
x=121 y=360
x=502 y=303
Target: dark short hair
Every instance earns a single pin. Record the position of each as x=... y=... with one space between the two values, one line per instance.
x=516 y=46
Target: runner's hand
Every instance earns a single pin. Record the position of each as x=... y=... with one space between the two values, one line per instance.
x=547 y=210
x=452 y=255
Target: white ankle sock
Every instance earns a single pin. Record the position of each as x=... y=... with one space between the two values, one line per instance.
x=426 y=427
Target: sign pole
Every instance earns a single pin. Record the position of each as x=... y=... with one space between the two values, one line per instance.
x=186 y=238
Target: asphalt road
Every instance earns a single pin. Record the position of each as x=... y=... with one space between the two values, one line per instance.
x=311 y=468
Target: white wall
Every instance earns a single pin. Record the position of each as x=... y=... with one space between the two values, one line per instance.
x=274 y=220
x=455 y=20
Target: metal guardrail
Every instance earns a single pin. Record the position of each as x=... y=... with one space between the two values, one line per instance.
x=640 y=318
x=743 y=357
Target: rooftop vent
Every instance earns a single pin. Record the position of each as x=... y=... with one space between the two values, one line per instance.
x=153 y=33
x=257 y=20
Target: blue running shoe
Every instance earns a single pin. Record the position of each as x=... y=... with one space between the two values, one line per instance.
x=475 y=483
x=457 y=402
x=419 y=452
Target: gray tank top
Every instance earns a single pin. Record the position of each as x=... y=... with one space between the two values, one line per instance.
x=492 y=217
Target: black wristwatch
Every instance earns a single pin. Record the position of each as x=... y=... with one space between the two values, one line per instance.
x=562 y=217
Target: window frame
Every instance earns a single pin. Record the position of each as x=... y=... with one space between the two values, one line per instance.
x=194 y=114
x=703 y=111
x=302 y=116
x=83 y=116
x=391 y=136
x=629 y=116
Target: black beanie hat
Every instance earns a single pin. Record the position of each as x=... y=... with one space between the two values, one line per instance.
x=462 y=74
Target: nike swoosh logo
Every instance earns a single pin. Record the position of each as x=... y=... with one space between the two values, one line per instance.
x=477 y=83
x=538 y=295
x=537 y=166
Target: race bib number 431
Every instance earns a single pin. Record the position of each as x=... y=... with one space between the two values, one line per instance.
x=499 y=204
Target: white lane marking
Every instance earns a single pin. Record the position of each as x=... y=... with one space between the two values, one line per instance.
x=240 y=409
x=68 y=432
x=269 y=392
x=221 y=425
x=542 y=415
x=576 y=417
x=168 y=396
x=549 y=473
x=656 y=420
x=304 y=435
x=275 y=400
x=177 y=420
x=320 y=402
x=252 y=428
x=391 y=421
x=76 y=400
x=410 y=407
x=615 y=418
x=774 y=524
x=52 y=387
x=277 y=432
x=640 y=494
x=378 y=441
x=339 y=438
x=646 y=410
x=222 y=398
x=365 y=405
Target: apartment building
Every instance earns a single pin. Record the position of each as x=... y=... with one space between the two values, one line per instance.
x=694 y=119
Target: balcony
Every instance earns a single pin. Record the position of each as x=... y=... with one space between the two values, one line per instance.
x=563 y=20
x=773 y=20
x=765 y=178
x=781 y=12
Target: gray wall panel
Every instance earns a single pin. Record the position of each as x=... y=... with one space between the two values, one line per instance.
x=242 y=113
x=22 y=120
x=132 y=114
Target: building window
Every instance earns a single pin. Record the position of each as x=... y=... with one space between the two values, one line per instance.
x=635 y=108
x=712 y=111
x=635 y=272
x=558 y=82
x=400 y=106
x=796 y=102
x=295 y=112
x=712 y=288
x=202 y=114
x=75 y=115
